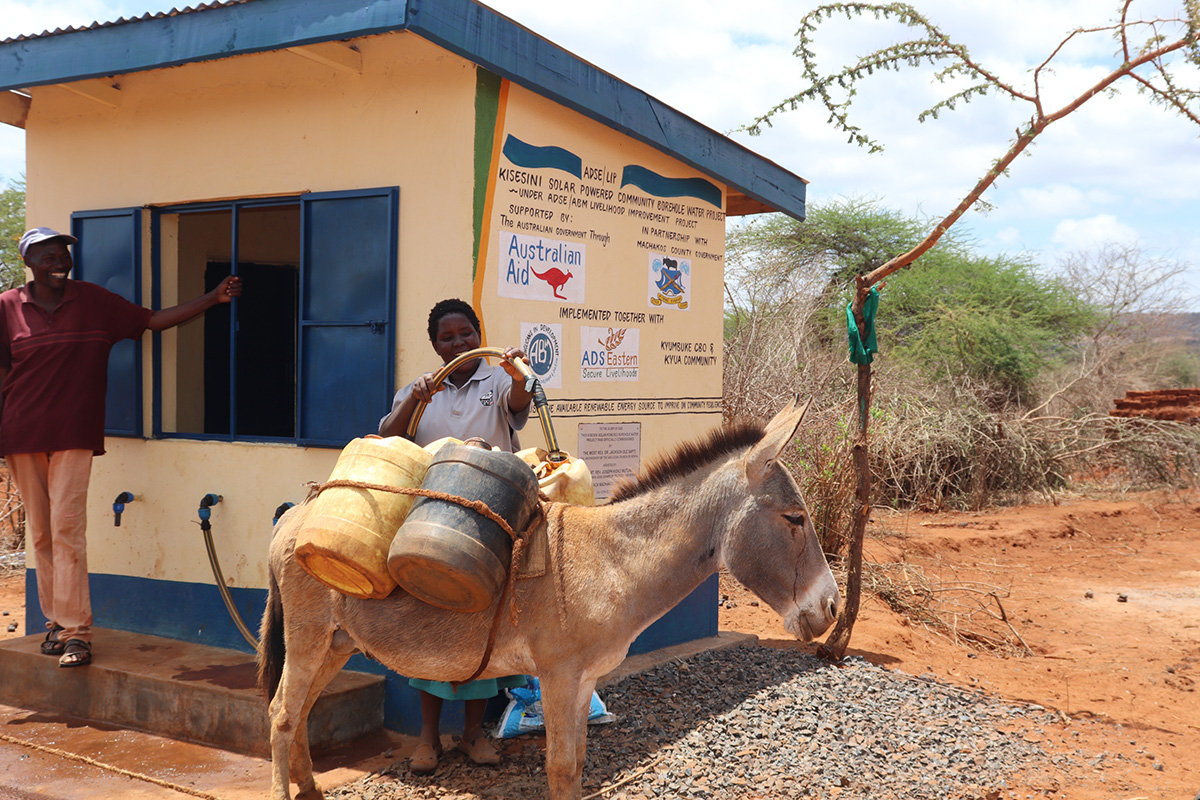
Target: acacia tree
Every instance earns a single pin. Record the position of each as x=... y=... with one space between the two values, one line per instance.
x=12 y=225
x=1154 y=54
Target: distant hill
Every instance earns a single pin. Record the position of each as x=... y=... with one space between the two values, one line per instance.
x=1188 y=328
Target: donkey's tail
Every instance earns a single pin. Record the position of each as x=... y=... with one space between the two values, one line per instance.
x=270 y=641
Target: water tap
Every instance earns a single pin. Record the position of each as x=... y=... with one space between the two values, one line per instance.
x=279 y=512
x=205 y=511
x=119 y=506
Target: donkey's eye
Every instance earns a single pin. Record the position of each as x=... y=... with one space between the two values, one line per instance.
x=795 y=519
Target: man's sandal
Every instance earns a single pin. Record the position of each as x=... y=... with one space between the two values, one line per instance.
x=78 y=653
x=53 y=646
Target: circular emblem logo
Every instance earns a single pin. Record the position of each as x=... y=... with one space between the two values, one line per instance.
x=541 y=346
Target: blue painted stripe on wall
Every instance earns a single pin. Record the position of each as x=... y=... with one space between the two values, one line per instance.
x=546 y=157
x=651 y=182
x=194 y=612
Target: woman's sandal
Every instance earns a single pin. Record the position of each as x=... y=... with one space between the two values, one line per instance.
x=53 y=646
x=424 y=759
x=78 y=653
x=481 y=751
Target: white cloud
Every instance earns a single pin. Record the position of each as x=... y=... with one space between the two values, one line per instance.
x=1090 y=233
x=1117 y=157
x=1009 y=238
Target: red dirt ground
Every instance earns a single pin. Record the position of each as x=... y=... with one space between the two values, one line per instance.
x=1122 y=674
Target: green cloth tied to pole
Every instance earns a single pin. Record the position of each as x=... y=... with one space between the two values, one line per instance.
x=863 y=348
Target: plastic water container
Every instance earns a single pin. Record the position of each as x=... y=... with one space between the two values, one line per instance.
x=453 y=557
x=345 y=539
x=568 y=481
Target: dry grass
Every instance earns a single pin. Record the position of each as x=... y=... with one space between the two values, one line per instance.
x=12 y=515
x=965 y=612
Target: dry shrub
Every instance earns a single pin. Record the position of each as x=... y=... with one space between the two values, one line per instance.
x=965 y=457
x=966 y=612
x=12 y=514
x=821 y=463
x=934 y=445
x=1131 y=454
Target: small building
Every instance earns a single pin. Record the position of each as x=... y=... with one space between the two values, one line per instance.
x=355 y=162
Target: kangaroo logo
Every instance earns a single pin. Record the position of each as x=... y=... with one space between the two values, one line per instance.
x=555 y=277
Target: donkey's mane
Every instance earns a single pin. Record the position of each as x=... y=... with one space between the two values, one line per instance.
x=689 y=457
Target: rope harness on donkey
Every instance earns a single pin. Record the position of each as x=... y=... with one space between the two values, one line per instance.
x=519 y=540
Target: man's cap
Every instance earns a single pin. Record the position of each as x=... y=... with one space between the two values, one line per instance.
x=39 y=235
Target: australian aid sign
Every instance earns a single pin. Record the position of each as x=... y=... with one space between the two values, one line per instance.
x=539 y=268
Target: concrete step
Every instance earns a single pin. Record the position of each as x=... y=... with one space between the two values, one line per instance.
x=181 y=690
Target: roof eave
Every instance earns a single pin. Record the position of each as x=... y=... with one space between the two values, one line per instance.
x=168 y=41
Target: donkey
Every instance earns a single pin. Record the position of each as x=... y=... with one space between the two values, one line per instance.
x=611 y=571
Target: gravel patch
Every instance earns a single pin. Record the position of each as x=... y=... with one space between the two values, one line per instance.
x=758 y=722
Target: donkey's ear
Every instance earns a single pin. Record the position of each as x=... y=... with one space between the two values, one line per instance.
x=779 y=434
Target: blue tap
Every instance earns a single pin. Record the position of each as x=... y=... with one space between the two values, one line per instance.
x=205 y=511
x=119 y=506
x=280 y=511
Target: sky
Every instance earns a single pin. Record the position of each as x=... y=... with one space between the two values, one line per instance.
x=1118 y=170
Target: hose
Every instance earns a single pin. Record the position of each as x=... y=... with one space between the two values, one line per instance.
x=532 y=385
x=206 y=504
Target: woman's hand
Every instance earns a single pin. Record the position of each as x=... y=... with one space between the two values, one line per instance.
x=514 y=354
x=519 y=396
x=422 y=391
x=423 y=388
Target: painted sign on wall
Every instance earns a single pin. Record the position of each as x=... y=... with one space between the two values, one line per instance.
x=540 y=268
x=622 y=248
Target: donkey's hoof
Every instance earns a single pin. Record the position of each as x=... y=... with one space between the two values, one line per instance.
x=312 y=793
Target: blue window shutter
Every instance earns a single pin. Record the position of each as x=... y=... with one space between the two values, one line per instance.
x=109 y=253
x=347 y=303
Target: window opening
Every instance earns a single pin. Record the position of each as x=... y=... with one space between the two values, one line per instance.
x=308 y=354
x=247 y=388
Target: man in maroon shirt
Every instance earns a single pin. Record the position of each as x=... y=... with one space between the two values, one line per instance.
x=55 y=337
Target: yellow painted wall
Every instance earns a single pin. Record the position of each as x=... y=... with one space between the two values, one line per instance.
x=160 y=536
x=258 y=125
x=277 y=124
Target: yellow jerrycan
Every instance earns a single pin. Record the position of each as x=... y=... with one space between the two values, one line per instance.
x=565 y=481
x=345 y=539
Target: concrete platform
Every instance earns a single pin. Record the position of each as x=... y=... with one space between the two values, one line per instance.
x=179 y=690
x=52 y=754
x=46 y=756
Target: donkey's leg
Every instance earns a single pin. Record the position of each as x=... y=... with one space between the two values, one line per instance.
x=308 y=667
x=300 y=756
x=565 y=700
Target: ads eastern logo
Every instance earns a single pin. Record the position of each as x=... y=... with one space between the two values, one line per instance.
x=608 y=354
x=539 y=268
x=670 y=281
x=541 y=343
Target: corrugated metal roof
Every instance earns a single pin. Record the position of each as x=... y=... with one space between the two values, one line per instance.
x=174 y=12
